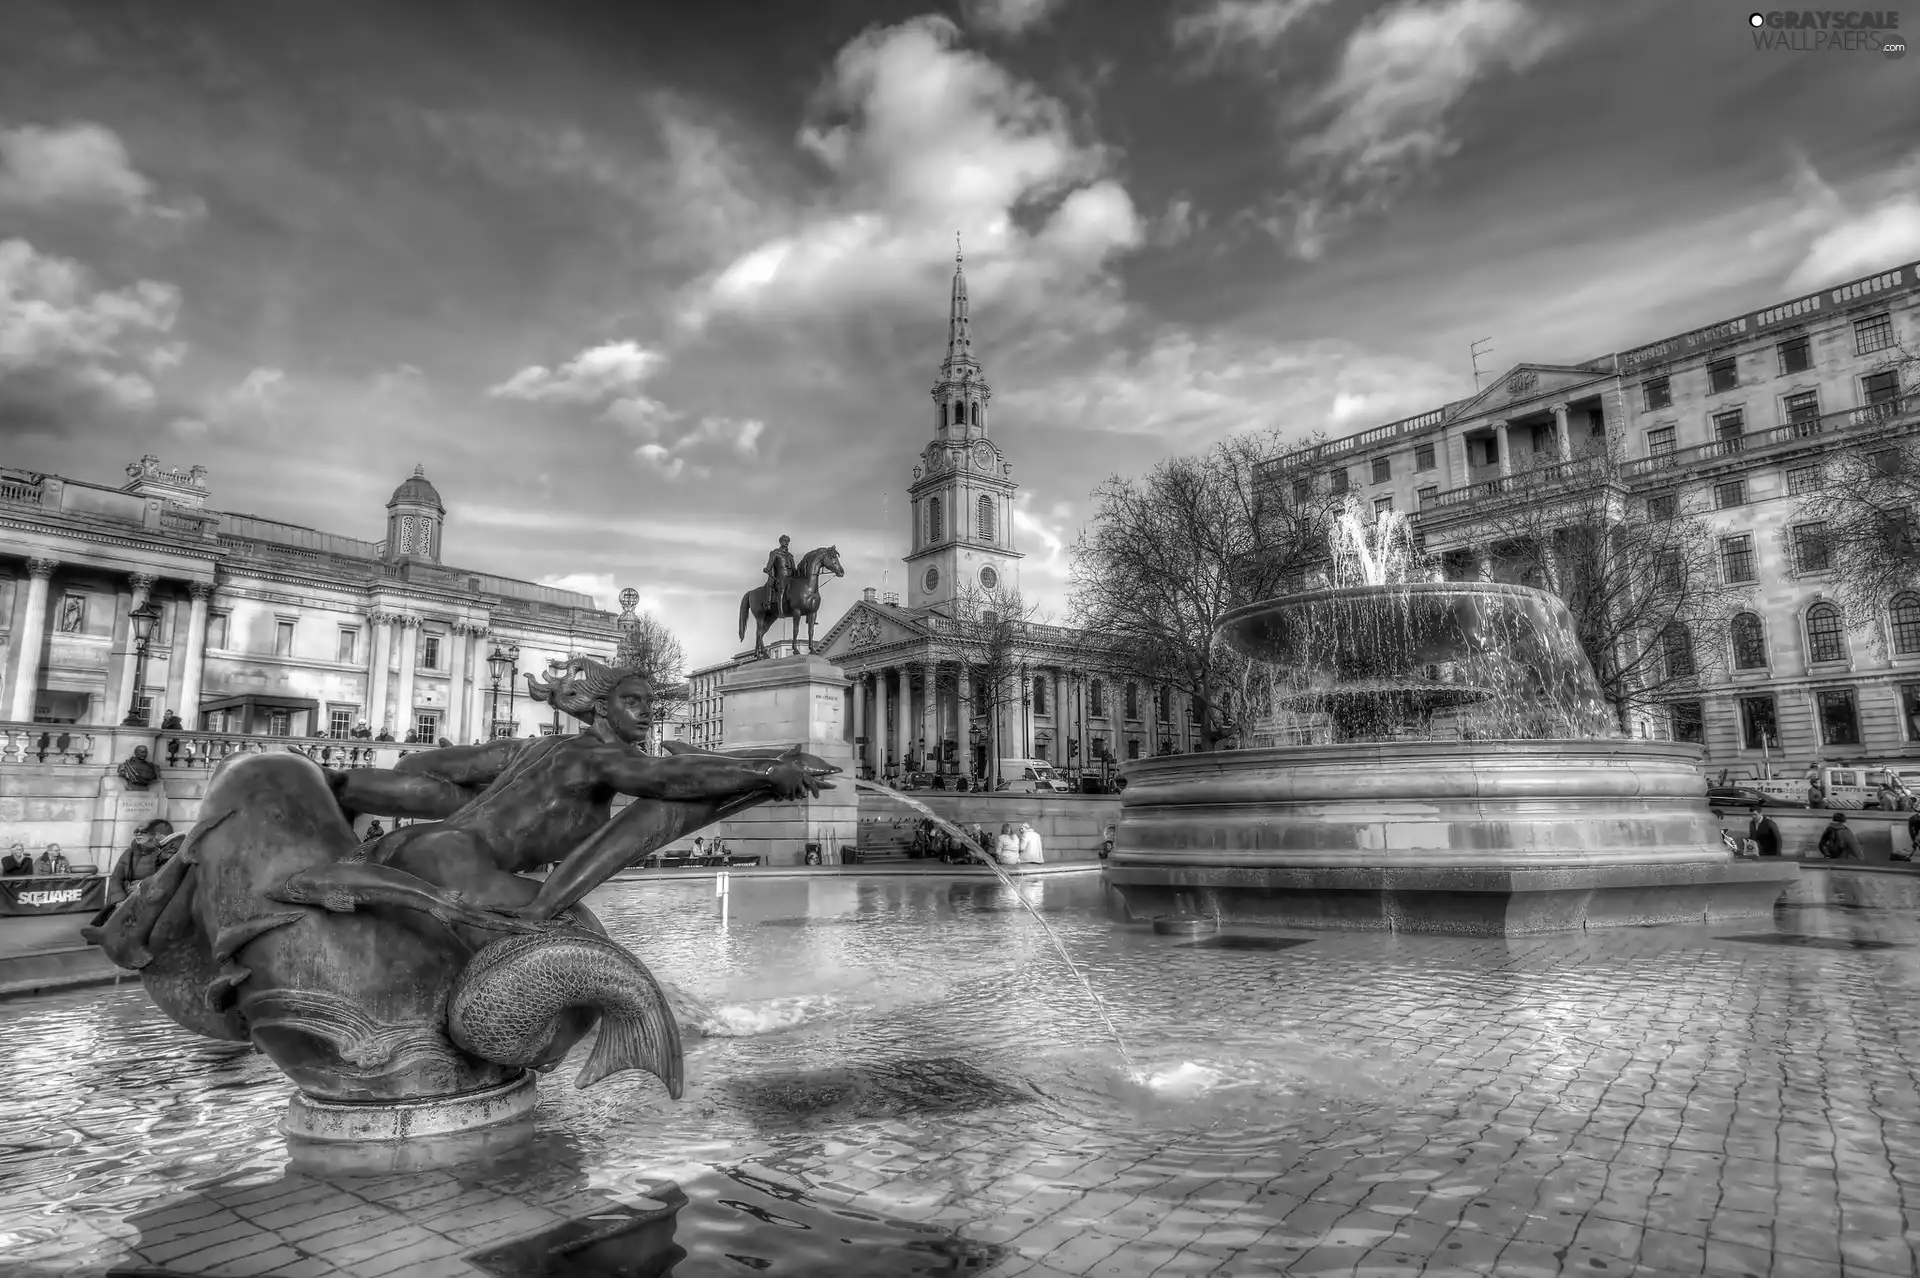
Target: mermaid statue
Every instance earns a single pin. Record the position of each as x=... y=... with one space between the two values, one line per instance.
x=425 y=964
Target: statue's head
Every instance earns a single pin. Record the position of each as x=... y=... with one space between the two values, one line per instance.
x=591 y=690
x=140 y=752
x=784 y=539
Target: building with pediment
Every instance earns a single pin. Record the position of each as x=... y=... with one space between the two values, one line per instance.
x=1735 y=417
x=260 y=627
x=912 y=701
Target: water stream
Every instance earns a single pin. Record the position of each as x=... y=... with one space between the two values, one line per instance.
x=875 y=787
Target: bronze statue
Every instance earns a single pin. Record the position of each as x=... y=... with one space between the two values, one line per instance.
x=796 y=596
x=138 y=772
x=423 y=964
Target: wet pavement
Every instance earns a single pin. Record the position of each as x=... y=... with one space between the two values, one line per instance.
x=907 y=1082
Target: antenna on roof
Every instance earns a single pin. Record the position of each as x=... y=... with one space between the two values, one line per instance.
x=1474 y=349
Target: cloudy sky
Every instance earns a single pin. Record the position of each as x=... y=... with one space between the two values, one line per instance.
x=644 y=285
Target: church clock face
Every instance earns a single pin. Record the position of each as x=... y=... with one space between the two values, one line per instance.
x=983 y=455
x=989 y=578
x=932 y=578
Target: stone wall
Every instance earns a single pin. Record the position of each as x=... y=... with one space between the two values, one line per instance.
x=1071 y=826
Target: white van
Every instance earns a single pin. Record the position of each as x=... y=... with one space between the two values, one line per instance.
x=1032 y=776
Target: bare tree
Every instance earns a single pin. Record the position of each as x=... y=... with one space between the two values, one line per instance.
x=989 y=636
x=1857 y=522
x=1170 y=554
x=1640 y=574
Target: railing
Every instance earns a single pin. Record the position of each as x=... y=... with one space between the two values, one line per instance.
x=1550 y=476
x=1761 y=441
x=207 y=749
x=46 y=744
x=20 y=492
x=1365 y=439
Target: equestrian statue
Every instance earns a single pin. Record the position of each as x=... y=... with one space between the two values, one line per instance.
x=792 y=591
x=425 y=964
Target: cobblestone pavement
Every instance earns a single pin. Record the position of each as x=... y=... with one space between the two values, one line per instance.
x=1739 y=1100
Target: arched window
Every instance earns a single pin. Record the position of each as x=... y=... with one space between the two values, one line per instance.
x=974 y=411
x=1826 y=636
x=933 y=519
x=1905 y=616
x=984 y=520
x=1676 y=645
x=1039 y=694
x=1097 y=699
x=1749 y=642
x=959 y=413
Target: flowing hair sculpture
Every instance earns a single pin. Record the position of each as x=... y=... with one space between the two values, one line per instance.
x=575 y=685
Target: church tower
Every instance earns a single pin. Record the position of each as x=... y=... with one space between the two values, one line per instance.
x=961 y=501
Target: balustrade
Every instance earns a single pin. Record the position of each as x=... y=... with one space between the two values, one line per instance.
x=36 y=744
x=45 y=743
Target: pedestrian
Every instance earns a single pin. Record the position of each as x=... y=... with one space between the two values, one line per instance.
x=1006 y=848
x=141 y=861
x=1838 y=843
x=1765 y=832
x=1029 y=845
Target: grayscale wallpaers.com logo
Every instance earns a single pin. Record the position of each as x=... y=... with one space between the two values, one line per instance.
x=1829 y=31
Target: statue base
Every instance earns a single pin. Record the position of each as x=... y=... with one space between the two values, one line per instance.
x=373 y=1139
x=796 y=700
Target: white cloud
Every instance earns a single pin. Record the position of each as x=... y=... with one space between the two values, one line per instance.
x=922 y=138
x=1006 y=17
x=1388 y=115
x=598 y=585
x=661 y=459
x=593 y=376
x=43 y=167
x=1847 y=240
x=1226 y=28
x=741 y=436
x=65 y=334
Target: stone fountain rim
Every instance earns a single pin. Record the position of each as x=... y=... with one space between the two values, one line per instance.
x=1571 y=748
x=1264 y=606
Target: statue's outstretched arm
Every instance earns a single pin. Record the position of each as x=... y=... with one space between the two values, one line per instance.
x=696 y=778
x=428 y=785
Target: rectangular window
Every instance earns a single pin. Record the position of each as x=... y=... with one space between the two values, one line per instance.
x=1810 y=548
x=1423 y=457
x=1802 y=407
x=1758 y=727
x=429 y=652
x=1729 y=425
x=1427 y=494
x=1543 y=439
x=1722 y=375
x=1736 y=558
x=1133 y=701
x=1732 y=493
x=1874 y=333
x=1662 y=507
x=1382 y=506
x=1382 y=469
x=505 y=728
x=1492 y=450
x=216 y=631
x=348 y=650
x=1796 y=355
x=143 y=710
x=1660 y=441
x=1596 y=423
x=1302 y=490
x=1677 y=647
x=283 y=644
x=1688 y=723
x=1881 y=388
x=1337 y=480
x=1910 y=710
x=277 y=723
x=427 y=727
x=1659 y=393
x=1667 y=574
x=1839 y=717
x=1802 y=479
x=340 y=722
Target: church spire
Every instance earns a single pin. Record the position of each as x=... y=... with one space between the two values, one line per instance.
x=961 y=394
x=959 y=336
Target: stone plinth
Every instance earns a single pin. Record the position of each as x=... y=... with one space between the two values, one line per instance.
x=1466 y=836
x=787 y=701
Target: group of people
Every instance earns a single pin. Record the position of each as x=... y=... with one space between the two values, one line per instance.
x=1016 y=844
x=20 y=863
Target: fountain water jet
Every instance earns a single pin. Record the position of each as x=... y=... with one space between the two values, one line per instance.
x=1453 y=768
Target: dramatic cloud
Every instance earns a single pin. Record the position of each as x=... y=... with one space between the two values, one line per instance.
x=62 y=336
x=616 y=369
x=44 y=168
x=1006 y=17
x=1228 y=29
x=1389 y=114
x=921 y=139
x=1848 y=241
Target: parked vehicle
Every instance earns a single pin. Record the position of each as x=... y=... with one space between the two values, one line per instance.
x=1032 y=776
x=1747 y=796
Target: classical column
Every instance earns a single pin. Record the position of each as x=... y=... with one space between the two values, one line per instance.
x=194 y=660
x=409 y=658
x=480 y=699
x=379 y=656
x=1483 y=564
x=903 y=723
x=1506 y=451
x=929 y=720
x=963 y=716
x=881 y=720
x=458 y=648
x=860 y=716
x=142 y=584
x=1057 y=753
x=33 y=628
x=1560 y=431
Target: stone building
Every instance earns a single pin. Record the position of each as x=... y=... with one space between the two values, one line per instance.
x=912 y=703
x=1734 y=417
x=264 y=627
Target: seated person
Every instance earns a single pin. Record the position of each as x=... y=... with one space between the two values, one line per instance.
x=17 y=863
x=52 y=861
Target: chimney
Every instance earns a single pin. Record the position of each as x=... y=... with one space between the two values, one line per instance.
x=869 y=594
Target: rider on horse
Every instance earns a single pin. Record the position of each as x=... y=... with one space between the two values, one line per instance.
x=780 y=569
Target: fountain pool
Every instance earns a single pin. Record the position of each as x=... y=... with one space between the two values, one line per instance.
x=903 y=1083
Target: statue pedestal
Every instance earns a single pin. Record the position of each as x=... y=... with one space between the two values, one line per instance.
x=378 y=1138
x=798 y=700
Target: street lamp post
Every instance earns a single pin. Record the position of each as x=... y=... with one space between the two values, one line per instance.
x=143 y=618
x=502 y=664
x=973 y=746
x=513 y=685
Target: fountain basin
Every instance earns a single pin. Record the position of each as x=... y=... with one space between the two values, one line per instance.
x=1483 y=837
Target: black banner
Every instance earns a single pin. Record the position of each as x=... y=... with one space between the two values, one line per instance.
x=54 y=894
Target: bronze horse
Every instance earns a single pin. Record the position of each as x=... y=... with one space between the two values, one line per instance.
x=803 y=598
